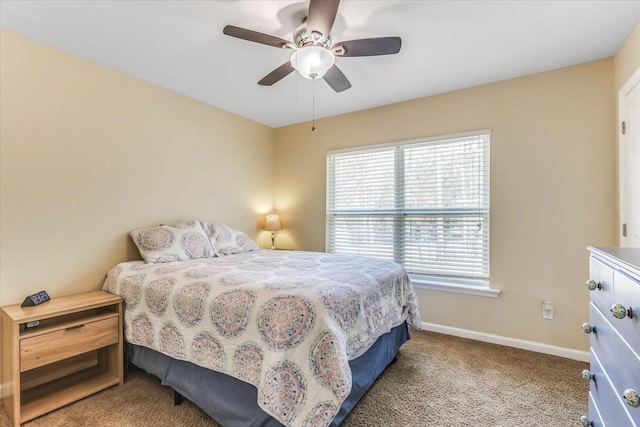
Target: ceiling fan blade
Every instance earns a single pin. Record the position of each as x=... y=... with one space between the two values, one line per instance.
x=368 y=47
x=254 y=36
x=276 y=75
x=320 y=18
x=336 y=79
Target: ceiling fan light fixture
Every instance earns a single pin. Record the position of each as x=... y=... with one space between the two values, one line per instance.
x=313 y=62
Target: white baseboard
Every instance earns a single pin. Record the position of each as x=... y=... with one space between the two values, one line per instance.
x=569 y=353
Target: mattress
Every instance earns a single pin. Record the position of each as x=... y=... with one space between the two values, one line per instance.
x=287 y=322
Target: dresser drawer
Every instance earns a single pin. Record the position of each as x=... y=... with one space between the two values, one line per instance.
x=609 y=403
x=627 y=292
x=594 y=412
x=602 y=274
x=54 y=346
x=623 y=365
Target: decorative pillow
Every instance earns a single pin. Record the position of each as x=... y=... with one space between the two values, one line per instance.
x=226 y=240
x=167 y=243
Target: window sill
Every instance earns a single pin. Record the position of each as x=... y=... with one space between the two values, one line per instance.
x=433 y=285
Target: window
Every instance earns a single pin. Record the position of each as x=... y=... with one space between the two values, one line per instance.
x=423 y=204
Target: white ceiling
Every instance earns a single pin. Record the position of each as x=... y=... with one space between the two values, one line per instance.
x=446 y=45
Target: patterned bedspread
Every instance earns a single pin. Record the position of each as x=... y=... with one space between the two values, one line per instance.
x=287 y=322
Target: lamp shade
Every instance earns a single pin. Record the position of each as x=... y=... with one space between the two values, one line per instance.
x=273 y=223
x=312 y=62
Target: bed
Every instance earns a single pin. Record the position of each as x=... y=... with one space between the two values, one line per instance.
x=266 y=337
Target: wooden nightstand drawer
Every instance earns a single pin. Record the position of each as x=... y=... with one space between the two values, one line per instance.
x=71 y=341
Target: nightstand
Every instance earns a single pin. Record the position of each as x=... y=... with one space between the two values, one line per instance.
x=75 y=351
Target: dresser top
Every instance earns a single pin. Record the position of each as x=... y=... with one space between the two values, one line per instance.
x=626 y=258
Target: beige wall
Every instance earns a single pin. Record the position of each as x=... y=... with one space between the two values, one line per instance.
x=552 y=191
x=88 y=154
x=627 y=60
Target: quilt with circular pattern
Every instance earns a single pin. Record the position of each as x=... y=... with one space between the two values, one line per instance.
x=287 y=322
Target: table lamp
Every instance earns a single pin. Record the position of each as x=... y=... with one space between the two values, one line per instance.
x=273 y=224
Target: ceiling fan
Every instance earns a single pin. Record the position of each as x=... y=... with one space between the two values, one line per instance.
x=314 y=53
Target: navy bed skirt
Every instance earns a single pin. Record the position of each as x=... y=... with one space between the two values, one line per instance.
x=233 y=403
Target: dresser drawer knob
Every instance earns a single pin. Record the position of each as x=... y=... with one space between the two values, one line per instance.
x=620 y=311
x=588 y=328
x=632 y=397
x=592 y=285
x=587 y=375
x=585 y=421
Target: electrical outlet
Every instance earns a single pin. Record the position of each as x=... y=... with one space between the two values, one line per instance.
x=547 y=310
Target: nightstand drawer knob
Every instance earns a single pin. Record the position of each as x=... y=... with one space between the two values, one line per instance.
x=620 y=311
x=632 y=397
x=588 y=328
x=592 y=285
x=587 y=375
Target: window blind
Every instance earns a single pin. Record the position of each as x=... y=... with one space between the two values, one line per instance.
x=424 y=204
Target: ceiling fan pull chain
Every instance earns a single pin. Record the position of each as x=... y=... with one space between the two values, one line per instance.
x=313 y=108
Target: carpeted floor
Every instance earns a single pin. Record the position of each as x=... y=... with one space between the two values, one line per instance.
x=438 y=381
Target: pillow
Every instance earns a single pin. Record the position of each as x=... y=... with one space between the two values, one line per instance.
x=167 y=243
x=226 y=240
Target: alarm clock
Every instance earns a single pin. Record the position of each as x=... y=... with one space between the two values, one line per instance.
x=36 y=299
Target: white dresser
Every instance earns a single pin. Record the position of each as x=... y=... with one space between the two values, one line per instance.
x=614 y=335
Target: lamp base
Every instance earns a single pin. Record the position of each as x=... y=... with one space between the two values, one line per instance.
x=273 y=240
